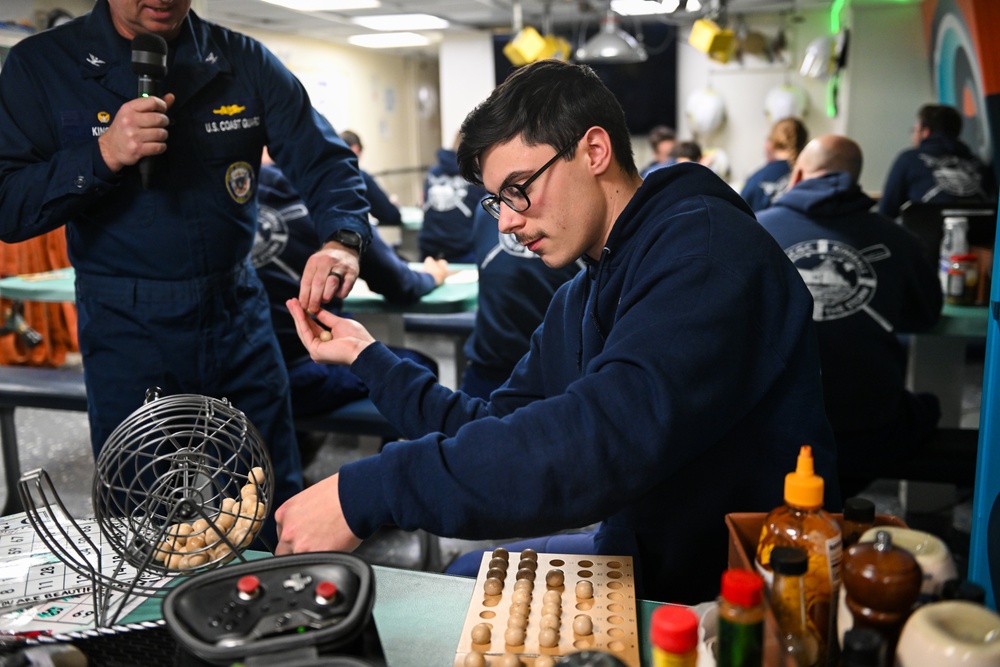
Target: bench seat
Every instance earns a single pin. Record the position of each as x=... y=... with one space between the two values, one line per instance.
x=453 y=324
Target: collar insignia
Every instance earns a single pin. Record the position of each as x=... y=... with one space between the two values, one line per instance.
x=94 y=60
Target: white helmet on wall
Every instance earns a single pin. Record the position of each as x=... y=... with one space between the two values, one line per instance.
x=705 y=111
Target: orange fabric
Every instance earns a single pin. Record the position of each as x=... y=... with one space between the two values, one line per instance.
x=56 y=322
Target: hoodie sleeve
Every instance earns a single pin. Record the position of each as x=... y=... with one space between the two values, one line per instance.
x=390 y=276
x=894 y=192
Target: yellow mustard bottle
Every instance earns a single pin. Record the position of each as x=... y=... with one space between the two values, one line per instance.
x=801 y=522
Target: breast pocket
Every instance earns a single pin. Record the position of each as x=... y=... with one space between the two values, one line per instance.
x=229 y=133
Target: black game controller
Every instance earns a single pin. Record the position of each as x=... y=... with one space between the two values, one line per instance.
x=280 y=604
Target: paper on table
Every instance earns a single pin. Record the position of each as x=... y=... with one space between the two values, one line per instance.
x=462 y=277
x=40 y=592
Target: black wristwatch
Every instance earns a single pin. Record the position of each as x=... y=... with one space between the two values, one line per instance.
x=349 y=239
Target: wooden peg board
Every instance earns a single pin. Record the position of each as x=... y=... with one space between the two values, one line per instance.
x=612 y=610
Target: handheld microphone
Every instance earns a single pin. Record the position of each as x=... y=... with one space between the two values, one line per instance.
x=149 y=62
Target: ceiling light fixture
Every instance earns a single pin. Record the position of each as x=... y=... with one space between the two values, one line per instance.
x=611 y=44
x=388 y=40
x=643 y=7
x=393 y=22
x=325 y=5
x=653 y=7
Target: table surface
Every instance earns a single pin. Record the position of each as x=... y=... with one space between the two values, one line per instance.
x=453 y=296
x=958 y=321
x=419 y=616
x=459 y=293
x=412 y=216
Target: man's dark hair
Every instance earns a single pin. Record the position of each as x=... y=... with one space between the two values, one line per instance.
x=351 y=139
x=940 y=119
x=547 y=102
x=689 y=150
x=661 y=133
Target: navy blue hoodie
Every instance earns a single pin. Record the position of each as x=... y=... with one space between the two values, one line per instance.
x=450 y=201
x=670 y=383
x=870 y=281
x=939 y=171
x=766 y=184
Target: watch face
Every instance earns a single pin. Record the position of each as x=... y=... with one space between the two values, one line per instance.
x=348 y=238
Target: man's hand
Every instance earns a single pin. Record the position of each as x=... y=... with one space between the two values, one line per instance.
x=330 y=272
x=314 y=521
x=340 y=343
x=138 y=130
x=438 y=268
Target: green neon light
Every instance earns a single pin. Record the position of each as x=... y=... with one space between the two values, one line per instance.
x=835 y=9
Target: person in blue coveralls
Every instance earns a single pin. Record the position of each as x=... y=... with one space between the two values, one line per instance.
x=515 y=288
x=939 y=169
x=164 y=287
x=449 y=204
x=672 y=382
x=870 y=281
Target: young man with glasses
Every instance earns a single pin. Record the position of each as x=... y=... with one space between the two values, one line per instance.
x=671 y=382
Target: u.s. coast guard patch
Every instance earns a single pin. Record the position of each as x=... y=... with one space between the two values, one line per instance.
x=239 y=181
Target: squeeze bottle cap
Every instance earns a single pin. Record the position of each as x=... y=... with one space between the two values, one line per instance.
x=674 y=629
x=742 y=587
x=804 y=488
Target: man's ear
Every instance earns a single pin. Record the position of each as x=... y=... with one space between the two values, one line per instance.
x=798 y=175
x=597 y=149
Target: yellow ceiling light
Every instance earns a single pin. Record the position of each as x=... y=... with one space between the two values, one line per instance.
x=556 y=47
x=526 y=47
x=718 y=43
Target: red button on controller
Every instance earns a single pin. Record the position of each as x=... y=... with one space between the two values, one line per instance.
x=248 y=586
x=325 y=592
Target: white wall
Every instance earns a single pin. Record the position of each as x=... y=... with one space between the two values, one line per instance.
x=466 y=73
x=888 y=77
x=375 y=95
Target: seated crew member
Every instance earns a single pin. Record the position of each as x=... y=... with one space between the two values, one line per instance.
x=661 y=140
x=382 y=208
x=686 y=151
x=939 y=169
x=449 y=204
x=870 y=281
x=787 y=137
x=285 y=238
x=515 y=288
x=671 y=382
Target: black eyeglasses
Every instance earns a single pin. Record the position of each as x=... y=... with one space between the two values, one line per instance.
x=516 y=196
